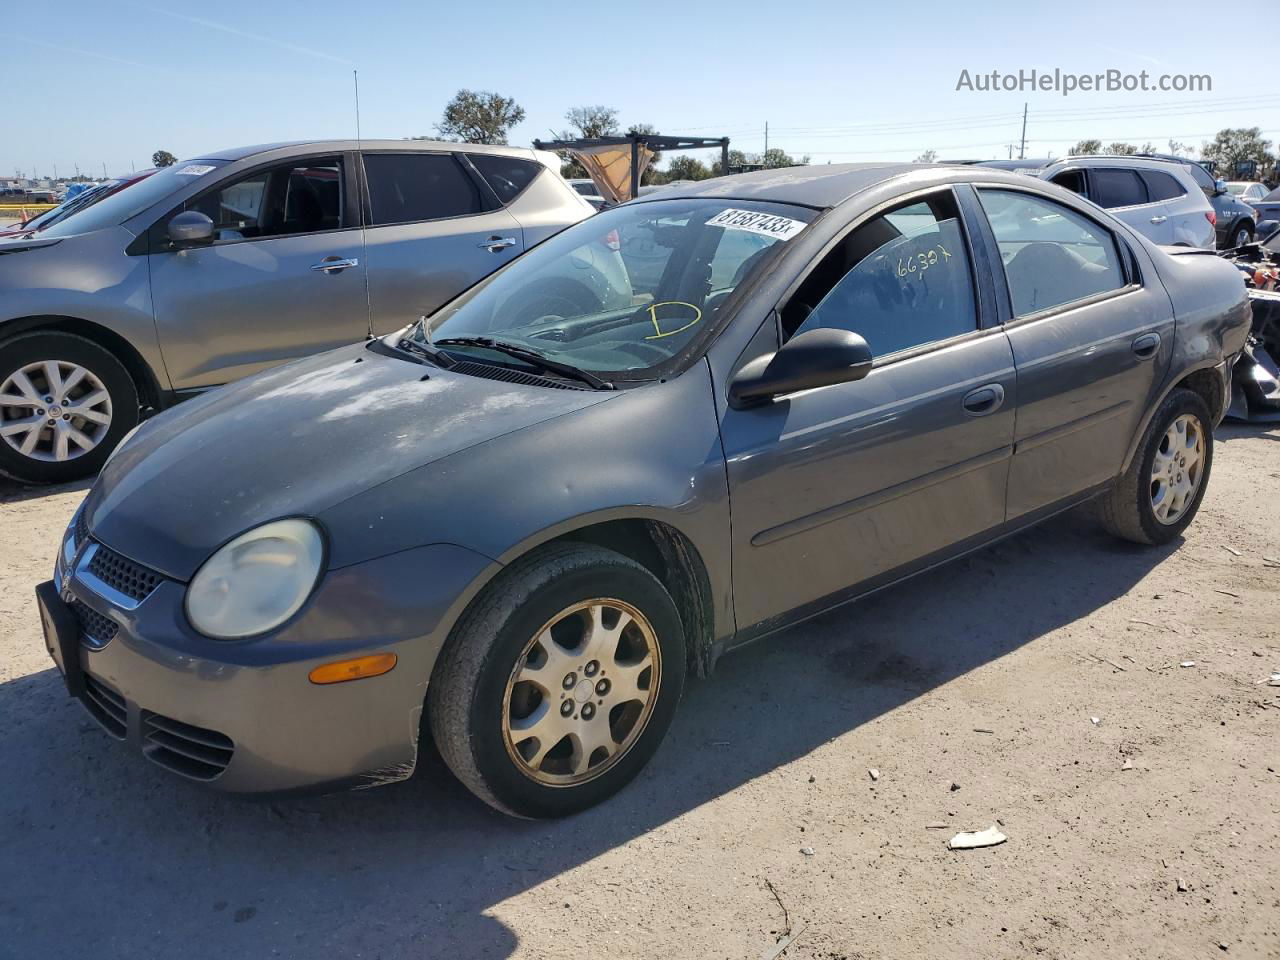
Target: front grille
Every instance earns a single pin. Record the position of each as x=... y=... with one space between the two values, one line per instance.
x=507 y=375
x=81 y=532
x=186 y=749
x=122 y=574
x=95 y=629
x=106 y=706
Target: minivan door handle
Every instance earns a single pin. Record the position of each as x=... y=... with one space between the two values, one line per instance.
x=984 y=400
x=497 y=244
x=332 y=265
x=1159 y=219
x=1145 y=347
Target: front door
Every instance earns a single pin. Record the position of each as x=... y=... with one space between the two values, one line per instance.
x=261 y=293
x=838 y=486
x=1091 y=341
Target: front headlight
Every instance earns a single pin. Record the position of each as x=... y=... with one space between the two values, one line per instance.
x=257 y=581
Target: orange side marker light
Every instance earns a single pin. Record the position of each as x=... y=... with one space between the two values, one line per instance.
x=340 y=671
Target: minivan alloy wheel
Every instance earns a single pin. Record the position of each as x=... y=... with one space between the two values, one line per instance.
x=581 y=692
x=54 y=410
x=1177 y=468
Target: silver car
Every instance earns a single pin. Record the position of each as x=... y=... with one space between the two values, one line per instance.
x=218 y=267
x=1158 y=198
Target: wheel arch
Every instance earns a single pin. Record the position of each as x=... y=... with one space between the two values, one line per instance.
x=150 y=392
x=1203 y=380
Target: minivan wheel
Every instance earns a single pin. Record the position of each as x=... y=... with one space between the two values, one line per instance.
x=559 y=683
x=1161 y=491
x=65 y=403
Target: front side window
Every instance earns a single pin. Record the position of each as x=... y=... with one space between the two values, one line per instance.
x=414 y=187
x=1052 y=255
x=900 y=281
x=1112 y=187
x=624 y=293
x=302 y=196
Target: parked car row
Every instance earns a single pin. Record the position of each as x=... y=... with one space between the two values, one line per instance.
x=505 y=525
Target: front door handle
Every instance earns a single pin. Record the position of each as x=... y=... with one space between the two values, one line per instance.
x=497 y=244
x=984 y=400
x=332 y=265
x=1145 y=347
x=1159 y=219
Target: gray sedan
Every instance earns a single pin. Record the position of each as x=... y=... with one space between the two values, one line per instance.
x=518 y=531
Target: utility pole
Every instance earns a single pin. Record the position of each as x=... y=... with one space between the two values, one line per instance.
x=1022 y=149
x=104 y=169
x=765 y=157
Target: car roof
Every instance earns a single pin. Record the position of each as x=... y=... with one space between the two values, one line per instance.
x=232 y=154
x=818 y=185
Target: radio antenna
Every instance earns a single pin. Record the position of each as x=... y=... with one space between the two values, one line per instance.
x=364 y=239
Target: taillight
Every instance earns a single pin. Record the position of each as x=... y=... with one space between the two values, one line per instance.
x=1212 y=217
x=613 y=241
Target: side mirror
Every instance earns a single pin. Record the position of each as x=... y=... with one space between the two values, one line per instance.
x=818 y=358
x=190 y=228
x=1219 y=187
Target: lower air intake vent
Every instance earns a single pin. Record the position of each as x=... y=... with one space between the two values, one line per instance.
x=106 y=706
x=185 y=749
x=493 y=372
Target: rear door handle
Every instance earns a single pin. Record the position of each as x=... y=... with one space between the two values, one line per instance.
x=984 y=400
x=332 y=265
x=497 y=244
x=1159 y=219
x=1145 y=347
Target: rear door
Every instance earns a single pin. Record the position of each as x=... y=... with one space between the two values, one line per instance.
x=261 y=294
x=435 y=228
x=1092 y=331
x=1122 y=192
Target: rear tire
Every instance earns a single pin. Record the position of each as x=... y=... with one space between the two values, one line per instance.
x=1158 y=496
x=69 y=403
x=527 y=658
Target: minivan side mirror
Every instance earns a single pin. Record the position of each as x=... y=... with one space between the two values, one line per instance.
x=190 y=228
x=817 y=358
x=1219 y=187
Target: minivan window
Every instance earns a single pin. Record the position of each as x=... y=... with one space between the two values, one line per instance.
x=119 y=207
x=1112 y=187
x=1161 y=186
x=412 y=187
x=507 y=175
x=1051 y=255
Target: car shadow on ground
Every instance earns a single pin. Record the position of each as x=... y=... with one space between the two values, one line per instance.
x=117 y=854
x=11 y=491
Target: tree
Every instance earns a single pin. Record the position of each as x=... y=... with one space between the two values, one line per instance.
x=1236 y=145
x=163 y=158
x=929 y=156
x=687 y=168
x=479 y=116
x=1122 y=149
x=1085 y=147
x=591 y=122
x=1181 y=149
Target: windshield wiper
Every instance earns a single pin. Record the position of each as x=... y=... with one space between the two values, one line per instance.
x=412 y=341
x=529 y=356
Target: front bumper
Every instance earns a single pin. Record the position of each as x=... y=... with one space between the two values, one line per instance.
x=243 y=716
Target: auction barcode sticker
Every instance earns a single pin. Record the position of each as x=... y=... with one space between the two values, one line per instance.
x=195 y=170
x=765 y=224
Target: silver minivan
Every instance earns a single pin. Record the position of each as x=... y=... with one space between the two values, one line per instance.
x=218 y=267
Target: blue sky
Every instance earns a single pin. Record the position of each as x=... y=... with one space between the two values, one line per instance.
x=110 y=83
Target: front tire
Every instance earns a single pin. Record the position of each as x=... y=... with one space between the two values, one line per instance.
x=1241 y=235
x=1159 y=494
x=559 y=683
x=65 y=402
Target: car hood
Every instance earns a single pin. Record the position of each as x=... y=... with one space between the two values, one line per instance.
x=292 y=442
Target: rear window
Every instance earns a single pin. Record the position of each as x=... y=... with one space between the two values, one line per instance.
x=1161 y=186
x=412 y=187
x=507 y=175
x=1114 y=187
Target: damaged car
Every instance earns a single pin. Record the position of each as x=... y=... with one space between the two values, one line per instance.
x=517 y=531
x=1255 y=384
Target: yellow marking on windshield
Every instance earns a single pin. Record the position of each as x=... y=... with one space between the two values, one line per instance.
x=657 y=327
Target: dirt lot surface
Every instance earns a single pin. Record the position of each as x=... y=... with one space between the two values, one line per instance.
x=758 y=815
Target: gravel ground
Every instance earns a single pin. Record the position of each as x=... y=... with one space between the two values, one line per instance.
x=758 y=815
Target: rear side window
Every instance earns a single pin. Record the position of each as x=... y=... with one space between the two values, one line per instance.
x=507 y=175
x=1051 y=255
x=900 y=281
x=1114 y=187
x=1161 y=186
x=412 y=187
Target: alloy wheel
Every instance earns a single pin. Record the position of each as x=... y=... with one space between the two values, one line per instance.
x=1177 y=468
x=582 y=692
x=54 y=410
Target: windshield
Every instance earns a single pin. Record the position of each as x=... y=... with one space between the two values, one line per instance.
x=123 y=204
x=623 y=293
